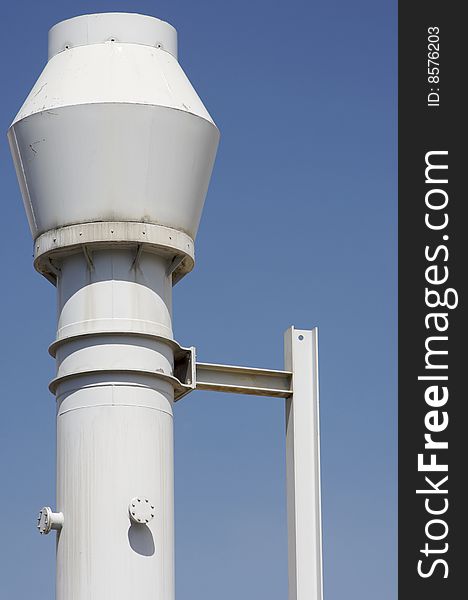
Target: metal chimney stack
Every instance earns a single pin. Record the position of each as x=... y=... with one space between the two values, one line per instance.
x=113 y=151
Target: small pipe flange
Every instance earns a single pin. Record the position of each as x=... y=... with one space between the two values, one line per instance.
x=48 y=520
x=141 y=510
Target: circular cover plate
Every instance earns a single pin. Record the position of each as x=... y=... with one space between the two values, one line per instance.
x=44 y=520
x=141 y=510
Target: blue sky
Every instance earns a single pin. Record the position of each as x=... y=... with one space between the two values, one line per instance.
x=299 y=228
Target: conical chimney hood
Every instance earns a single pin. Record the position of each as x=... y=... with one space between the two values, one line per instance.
x=113 y=132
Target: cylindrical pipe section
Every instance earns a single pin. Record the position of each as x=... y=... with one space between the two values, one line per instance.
x=114 y=426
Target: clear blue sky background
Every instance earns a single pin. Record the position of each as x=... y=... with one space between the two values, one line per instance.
x=299 y=228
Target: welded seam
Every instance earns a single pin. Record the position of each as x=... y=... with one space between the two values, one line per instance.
x=59 y=414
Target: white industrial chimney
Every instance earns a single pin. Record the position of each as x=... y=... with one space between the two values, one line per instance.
x=113 y=151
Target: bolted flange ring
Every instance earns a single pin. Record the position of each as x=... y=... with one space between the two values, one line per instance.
x=141 y=510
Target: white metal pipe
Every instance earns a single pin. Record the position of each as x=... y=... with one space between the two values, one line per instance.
x=114 y=426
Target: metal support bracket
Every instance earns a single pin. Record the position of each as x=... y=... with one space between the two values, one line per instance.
x=298 y=384
x=88 y=258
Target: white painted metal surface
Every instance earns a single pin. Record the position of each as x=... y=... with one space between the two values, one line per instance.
x=299 y=385
x=141 y=510
x=114 y=426
x=114 y=150
x=98 y=28
x=175 y=245
x=243 y=380
x=48 y=520
x=122 y=131
x=303 y=467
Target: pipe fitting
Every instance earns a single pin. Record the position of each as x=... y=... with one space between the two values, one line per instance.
x=48 y=520
x=141 y=510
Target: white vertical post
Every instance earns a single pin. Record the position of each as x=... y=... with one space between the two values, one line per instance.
x=303 y=467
